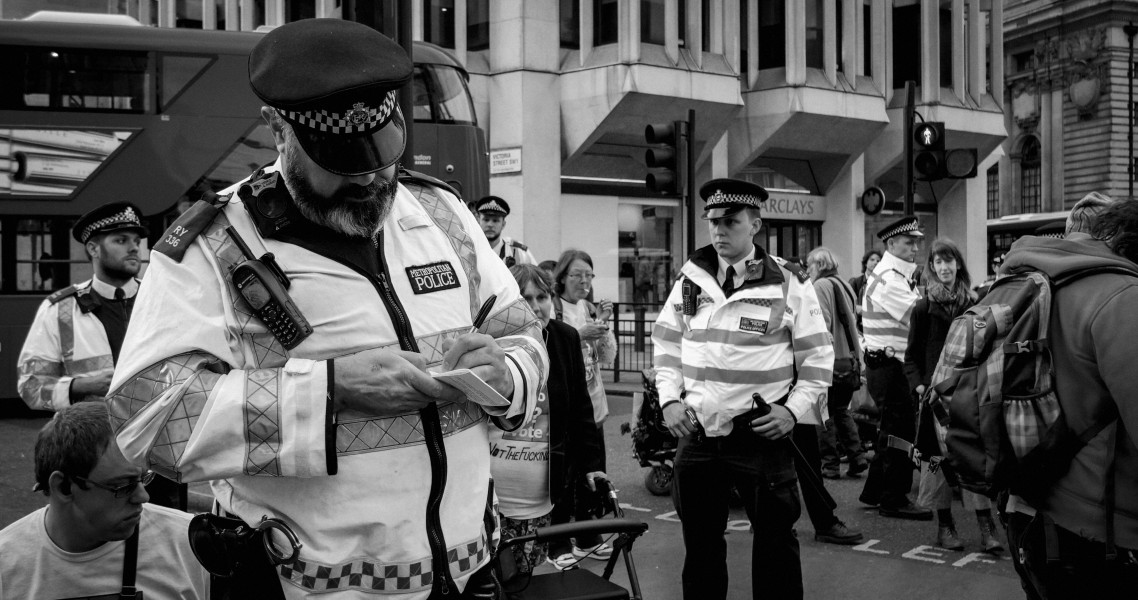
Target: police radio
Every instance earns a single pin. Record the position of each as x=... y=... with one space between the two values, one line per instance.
x=689 y=294
x=265 y=287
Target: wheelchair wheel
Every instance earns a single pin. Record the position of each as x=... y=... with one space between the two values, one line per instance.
x=659 y=480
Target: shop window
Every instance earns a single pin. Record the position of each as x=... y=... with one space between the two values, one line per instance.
x=649 y=244
x=438 y=22
x=606 y=22
x=790 y=239
x=772 y=34
x=1030 y=176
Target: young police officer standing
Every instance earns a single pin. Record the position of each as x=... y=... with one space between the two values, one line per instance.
x=492 y=212
x=739 y=322
x=312 y=403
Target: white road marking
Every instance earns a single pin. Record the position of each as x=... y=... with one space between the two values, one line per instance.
x=868 y=547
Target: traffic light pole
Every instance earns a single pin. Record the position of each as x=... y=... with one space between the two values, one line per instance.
x=907 y=163
x=689 y=184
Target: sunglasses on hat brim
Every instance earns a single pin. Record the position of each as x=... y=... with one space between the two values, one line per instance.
x=359 y=154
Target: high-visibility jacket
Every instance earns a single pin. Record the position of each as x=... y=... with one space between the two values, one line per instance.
x=66 y=341
x=513 y=252
x=204 y=392
x=888 y=305
x=769 y=337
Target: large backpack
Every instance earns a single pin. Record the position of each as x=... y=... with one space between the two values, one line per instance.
x=998 y=418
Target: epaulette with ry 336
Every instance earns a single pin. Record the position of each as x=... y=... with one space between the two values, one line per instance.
x=187 y=227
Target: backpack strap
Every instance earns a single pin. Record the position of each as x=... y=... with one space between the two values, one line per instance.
x=130 y=566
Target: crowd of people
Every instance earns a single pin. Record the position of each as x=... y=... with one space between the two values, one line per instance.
x=295 y=334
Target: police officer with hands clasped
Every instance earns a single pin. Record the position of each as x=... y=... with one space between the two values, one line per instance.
x=741 y=335
x=290 y=342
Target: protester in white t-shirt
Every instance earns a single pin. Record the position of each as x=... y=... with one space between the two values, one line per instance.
x=561 y=445
x=76 y=545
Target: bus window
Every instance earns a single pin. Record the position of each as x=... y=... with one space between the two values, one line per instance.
x=70 y=79
x=441 y=96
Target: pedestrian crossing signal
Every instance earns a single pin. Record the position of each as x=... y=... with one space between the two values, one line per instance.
x=928 y=151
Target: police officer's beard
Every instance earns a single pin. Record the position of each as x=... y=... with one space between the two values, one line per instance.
x=353 y=210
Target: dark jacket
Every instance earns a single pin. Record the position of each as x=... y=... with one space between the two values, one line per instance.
x=1094 y=328
x=928 y=329
x=574 y=439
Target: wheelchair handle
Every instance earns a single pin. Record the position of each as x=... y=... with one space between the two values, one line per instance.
x=581 y=528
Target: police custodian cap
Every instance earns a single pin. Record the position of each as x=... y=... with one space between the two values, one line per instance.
x=902 y=226
x=336 y=83
x=116 y=216
x=492 y=204
x=724 y=197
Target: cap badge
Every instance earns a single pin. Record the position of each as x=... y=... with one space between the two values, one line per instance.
x=717 y=197
x=358 y=114
x=129 y=214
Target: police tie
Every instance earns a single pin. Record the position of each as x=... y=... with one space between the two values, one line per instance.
x=119 y=295
x=729 y=282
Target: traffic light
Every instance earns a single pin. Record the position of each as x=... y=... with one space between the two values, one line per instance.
x=928 y=151
x=669 y=161
x=960 y=163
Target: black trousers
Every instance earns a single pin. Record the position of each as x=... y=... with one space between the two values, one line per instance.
x=806 y=438
x=891 y=472
x=763 y=473
x=1079 y=570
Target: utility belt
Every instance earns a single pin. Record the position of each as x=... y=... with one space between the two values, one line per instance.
x=883 y=357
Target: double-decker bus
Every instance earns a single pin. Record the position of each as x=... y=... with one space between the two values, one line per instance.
x=94 y=113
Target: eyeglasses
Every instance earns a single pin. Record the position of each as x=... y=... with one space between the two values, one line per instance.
x=123 y=490
x=589 y=276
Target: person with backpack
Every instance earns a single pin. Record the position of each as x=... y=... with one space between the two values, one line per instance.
x=1076 y=534
x=947 y=296
x=888 y=305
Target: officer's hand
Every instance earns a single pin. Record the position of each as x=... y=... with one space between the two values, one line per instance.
x=775 y=424
x=91 y=385
x=482 y=354
x=676 y=418
x=592 y=331
x=387 y=382
x=591 y=479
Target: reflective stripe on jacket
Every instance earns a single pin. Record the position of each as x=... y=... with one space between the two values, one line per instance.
x=888 y=305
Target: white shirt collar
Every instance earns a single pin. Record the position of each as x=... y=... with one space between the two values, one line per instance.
x=740 y=268
x=107 y=290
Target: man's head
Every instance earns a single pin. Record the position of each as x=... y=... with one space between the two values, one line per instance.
x=732 y=215
x=1084 y=213
x=492 y=212
x=902 y=238
x=112 y=236
x=93 y=491
x=329 y=87
x=820 y=262
x=1118 y=225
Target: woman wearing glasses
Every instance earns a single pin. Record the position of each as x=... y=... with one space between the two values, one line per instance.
x=573 y=281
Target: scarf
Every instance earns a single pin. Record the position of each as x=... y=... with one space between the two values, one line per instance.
x=954 y=300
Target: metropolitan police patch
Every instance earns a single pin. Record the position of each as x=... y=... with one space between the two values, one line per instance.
x=434 y=277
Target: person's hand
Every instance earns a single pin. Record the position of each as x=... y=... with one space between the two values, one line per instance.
x=482 y=354
x=592 y=331
x=920 y=390
x=591 y=479
x=387 y=382
x=676 y=418
x=775 y=424
x=604 y=310
x=91 y=385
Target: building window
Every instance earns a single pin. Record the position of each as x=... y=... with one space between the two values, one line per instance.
x=815 y=38
x=744 y=34
x=867 y=40
x=477 y=25
x=906 y=45
x=1030 y=176
x=772 y=34
x=652 y=21
x=606 y=22
x=994 y=192
x=705 y=25
x=571 y=24
x=438 y=22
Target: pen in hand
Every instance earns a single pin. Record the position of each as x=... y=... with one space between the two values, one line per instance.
x=483 y=312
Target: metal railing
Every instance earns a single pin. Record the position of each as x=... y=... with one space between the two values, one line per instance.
x=632 y=326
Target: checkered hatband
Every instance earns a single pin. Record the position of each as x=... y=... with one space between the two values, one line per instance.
x=360 y=118
x=719 y=199
x=126 y=217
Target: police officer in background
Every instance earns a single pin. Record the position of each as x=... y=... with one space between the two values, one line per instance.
x=72 y=348
x=492 y=212
x=890 y=295
x=336 y=428
x=739 y=322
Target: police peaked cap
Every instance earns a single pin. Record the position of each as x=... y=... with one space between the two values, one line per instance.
x=336 y=83
x=492 y=204
x=114 y=216
x=725 y=197
x=902 y=226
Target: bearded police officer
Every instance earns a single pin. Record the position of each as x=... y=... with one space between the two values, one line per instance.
x=740 y=328
x=890 y=295
x=492 y=212
x=281 y=343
